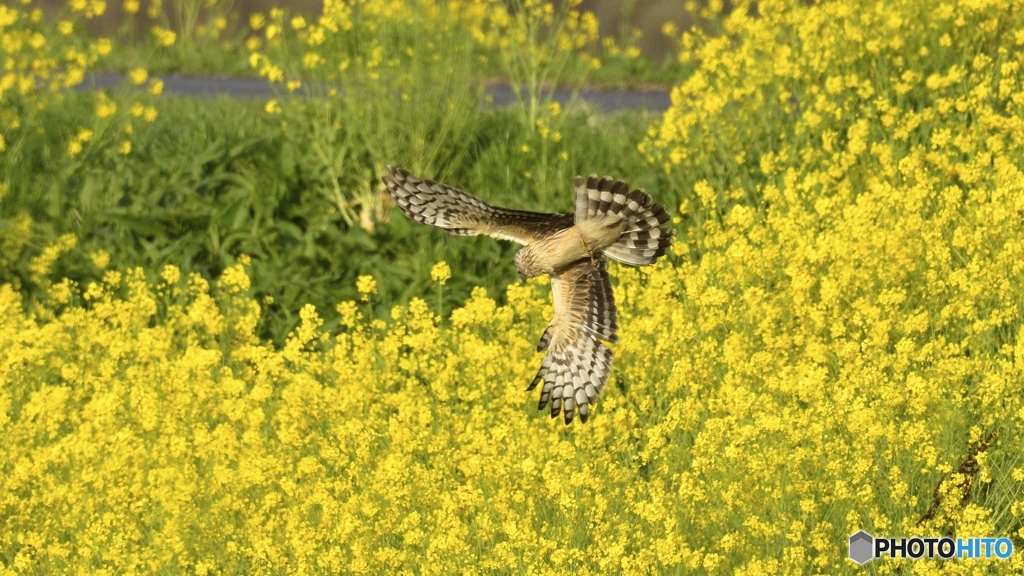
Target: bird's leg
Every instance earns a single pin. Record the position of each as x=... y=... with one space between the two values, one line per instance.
x=593 y=260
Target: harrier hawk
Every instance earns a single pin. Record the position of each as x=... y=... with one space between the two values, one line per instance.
x=609 y=222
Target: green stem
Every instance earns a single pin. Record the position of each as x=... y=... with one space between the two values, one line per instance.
x=440 y=306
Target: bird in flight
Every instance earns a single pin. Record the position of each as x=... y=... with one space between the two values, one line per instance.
x=609 y=221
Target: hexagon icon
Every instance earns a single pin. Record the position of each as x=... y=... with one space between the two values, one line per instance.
x=861 y=547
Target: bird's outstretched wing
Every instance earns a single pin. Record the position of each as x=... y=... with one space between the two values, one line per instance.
x=462 y=214
x=577 y=364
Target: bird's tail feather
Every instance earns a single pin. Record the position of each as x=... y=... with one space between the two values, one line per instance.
x=645 y=236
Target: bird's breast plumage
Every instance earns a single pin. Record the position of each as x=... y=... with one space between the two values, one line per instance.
x=554 y=253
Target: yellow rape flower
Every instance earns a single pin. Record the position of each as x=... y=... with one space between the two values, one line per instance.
x=366 y=285
x=164 y=36
x=100 y=259
x=138 y=75
x=441 y=273
x=75 y=146
x=170 y=274
x=105 y=108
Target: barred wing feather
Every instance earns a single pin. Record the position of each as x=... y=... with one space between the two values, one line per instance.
x=462 y=214
x=578 y=363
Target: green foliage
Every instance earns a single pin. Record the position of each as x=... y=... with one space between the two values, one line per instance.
x=210 y=180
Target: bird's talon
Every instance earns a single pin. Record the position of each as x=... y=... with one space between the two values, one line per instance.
x=593 y=259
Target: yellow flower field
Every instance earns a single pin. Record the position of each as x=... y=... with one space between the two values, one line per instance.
x=835 y=343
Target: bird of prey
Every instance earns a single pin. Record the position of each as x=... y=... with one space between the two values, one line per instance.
x=609 y=221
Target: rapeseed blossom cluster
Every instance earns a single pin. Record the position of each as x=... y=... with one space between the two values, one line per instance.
x=835 y=343
x=351 y=41
x=355 y=42
x=751 y=423
x=373 y=35
x=34 y=59
x=181 y=24
x=855 y=249
x=40 y=58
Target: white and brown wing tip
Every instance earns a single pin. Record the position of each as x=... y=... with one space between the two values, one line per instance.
x=578 y=363
x=433 y=203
